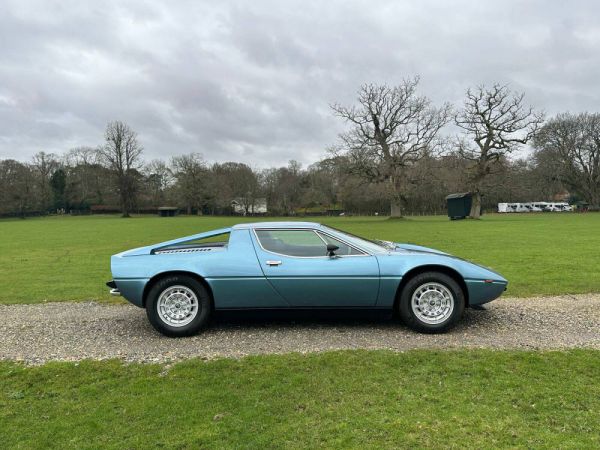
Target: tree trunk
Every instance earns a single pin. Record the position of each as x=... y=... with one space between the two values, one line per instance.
x=476 y=206
x=395 y=208
x=396 y=198
x=125 y=194
x=124 y=206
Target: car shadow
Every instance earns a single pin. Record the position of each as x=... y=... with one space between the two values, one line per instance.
x=327 y=317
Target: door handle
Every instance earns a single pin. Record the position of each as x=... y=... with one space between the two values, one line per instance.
x=273 y=263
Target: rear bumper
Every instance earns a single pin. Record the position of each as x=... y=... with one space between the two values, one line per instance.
x=113 y=288
x=131 y=289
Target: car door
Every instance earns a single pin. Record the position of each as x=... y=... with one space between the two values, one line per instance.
x=296 y=263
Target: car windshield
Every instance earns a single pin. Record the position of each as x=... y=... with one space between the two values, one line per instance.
x=371 y=245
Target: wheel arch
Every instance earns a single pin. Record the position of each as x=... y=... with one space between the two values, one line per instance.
x=456 y=276
x=159 y=276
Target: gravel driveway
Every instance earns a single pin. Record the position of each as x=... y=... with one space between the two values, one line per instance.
x=74 y=331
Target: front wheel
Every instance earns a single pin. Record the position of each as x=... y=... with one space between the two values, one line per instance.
x=178 y=306
x=431 y=302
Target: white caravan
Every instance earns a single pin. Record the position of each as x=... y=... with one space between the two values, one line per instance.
x=518 y=207
x=532 y=207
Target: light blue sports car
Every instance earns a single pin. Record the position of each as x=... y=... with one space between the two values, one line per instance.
x=292 y=265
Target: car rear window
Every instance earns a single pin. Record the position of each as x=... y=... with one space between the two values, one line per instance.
x=209 y=242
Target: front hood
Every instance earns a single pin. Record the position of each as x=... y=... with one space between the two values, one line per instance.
x=399 y=247
x=137 y=251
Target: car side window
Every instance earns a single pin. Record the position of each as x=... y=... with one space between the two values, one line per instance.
x=344 y=249
x=302 y=243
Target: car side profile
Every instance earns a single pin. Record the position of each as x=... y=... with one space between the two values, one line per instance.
x=297 y=265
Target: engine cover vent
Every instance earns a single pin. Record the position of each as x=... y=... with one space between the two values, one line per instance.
x=184 y=250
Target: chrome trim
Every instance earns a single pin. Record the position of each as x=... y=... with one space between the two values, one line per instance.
x=339 y=277
x=250 y=278
x=299 y=277
x=321 y=237
x=345 y=242
x=272 y=263
x=365 y=253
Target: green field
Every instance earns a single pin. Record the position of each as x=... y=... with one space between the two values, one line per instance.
x=67 y=258
x=358 y=399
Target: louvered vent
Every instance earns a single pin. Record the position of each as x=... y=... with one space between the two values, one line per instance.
x=184 y=250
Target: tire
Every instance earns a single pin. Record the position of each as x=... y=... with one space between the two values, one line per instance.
x=427 y=317
x=178 y=305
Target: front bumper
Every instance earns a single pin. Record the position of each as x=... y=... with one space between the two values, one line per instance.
x=484 y=291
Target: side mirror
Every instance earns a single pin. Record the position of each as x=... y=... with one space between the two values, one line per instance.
x=331 y=248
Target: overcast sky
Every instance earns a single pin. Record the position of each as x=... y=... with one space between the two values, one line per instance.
x=251 y=81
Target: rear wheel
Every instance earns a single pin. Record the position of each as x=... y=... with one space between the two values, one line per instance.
x=431 y=302
x=178 y=305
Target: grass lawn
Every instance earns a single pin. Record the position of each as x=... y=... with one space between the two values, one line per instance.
x=358 y=399
x=67 y=258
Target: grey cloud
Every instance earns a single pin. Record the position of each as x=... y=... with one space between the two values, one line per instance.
x=251 y=81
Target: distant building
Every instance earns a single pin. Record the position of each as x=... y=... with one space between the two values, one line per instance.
x=168 y=211
x=255 y=206
x=562 y=196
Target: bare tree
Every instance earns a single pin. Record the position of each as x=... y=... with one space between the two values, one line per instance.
x=391 y=129
x=570 y=146
x=282 y=187
x=191 y=173
x=81 y=161
x=158 y=180
x=122 y=154
x=87 y=181
x=17 y=187
x=44 y=165
x=496 y=121
x=80 y=156
x=236 y=181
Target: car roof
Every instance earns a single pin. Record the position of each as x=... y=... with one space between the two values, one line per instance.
x=245 y=226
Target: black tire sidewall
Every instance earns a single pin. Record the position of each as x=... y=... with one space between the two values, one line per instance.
x=204 y=305
x=408 y=316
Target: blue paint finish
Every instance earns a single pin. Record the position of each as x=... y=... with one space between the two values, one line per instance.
x=481 y=292
x=237 y=259
x=132 y=290
x=245 y=292
x=239 y=276
x=346 y=281
x=388 y=287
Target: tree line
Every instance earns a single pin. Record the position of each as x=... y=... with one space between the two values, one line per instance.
x=400 y=154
